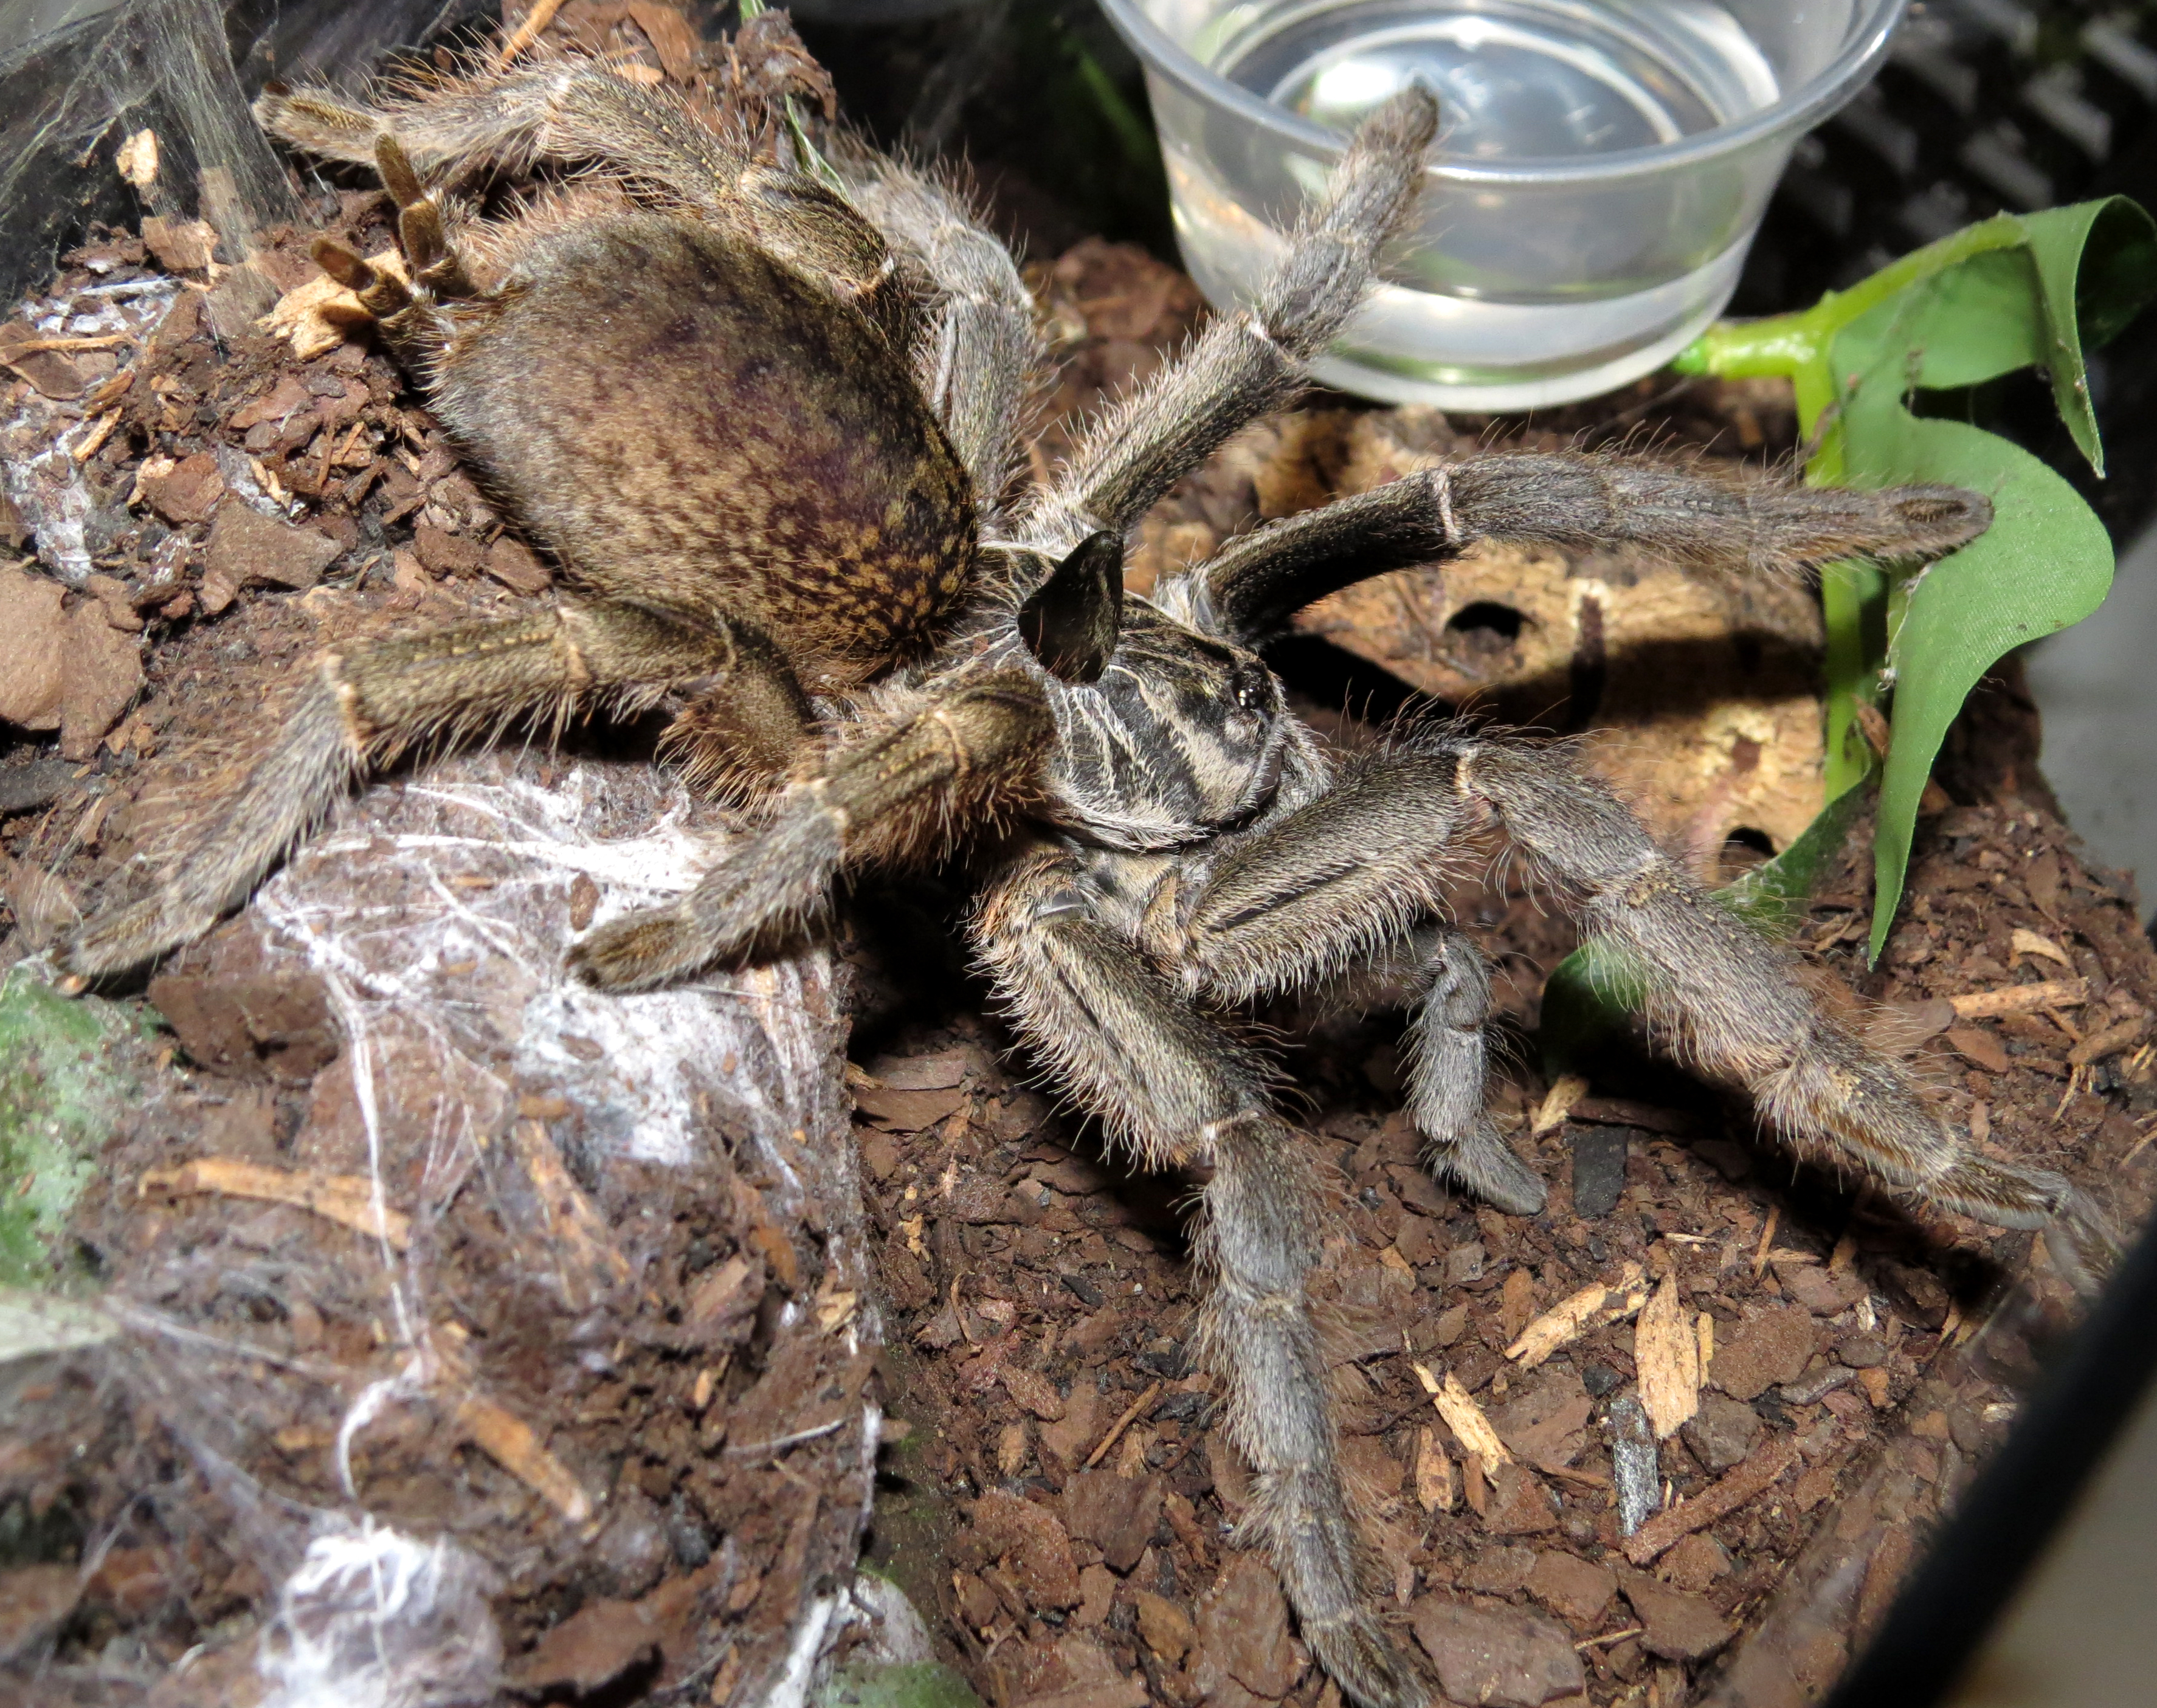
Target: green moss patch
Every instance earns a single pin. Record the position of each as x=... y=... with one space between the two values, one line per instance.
x=66 y=1073
x=926 y=1685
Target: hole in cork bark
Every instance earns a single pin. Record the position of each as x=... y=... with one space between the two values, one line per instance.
x=1743 y=849
x=1486 y=626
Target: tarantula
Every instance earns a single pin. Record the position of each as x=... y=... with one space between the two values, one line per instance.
x=766 y=420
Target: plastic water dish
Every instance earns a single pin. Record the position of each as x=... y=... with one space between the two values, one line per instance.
x=1602 y=167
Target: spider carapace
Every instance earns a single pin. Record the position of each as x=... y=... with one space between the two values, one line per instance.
x=765 y=420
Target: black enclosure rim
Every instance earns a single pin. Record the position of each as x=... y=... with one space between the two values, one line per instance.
x=1980 y=1557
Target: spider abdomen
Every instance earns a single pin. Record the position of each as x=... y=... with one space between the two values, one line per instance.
x=690 y=424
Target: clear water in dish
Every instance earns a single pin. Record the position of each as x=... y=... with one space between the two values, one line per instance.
x=1517 y=79
x=1505 y=299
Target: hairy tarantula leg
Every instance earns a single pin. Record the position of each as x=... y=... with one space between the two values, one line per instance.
x=419 y=231
x=569 y=111
x=1447 y=1056
x=968 y=749
x=1177 y=1089
x=577 y=111
x=1729 y=1000
x=406 y=313
x=974 y=360
x=742 y=731
x=371 y=700
x=1251 y=361
x=1696 y=514
x=809 y=225
x=1300 y=902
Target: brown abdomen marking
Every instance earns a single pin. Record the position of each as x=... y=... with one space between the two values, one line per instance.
x=692 y=425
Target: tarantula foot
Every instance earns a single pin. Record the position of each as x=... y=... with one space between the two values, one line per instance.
x=381 y=294
x=124 y=939
x=642 y=950
x=1484 y=1164
x=2082 y=1241
x=341 y=264
x=1373 y=1671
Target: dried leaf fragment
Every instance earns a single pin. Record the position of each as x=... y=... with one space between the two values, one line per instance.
x=33 y=636
x=2023 y=941
x=1572 y=1316
x=671 y=36
x=717 y=1293
x=181 y=245
x=1434 y=1473
x=518 y=567
x=834 y=1304
x=586 y=1257
x=1666 y=1352
x=770 y=1240
x=1979 y=1047
x=1516 y=1301
x=63 y=669
x=1035 y=1392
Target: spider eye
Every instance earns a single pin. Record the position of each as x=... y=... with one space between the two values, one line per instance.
x=1250 y=688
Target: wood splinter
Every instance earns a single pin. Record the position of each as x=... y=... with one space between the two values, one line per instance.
x=1594 y=1306
x=348 y=1200
x=1463 y=1416
x=589 y=1264
x=1666 y=1354
x=1715 y=1502
x=2021 y=999
x=1122 y=1423
x=512 y=1443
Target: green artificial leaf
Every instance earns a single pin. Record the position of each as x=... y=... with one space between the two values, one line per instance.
x=1586 y=1002
x=1772 y=896
x=2010 y=293
x=2014 y=292
x=2045 y=562
x=1971 y=323
x=67 y=1070
x=2097 y=267
x=1854 y=601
